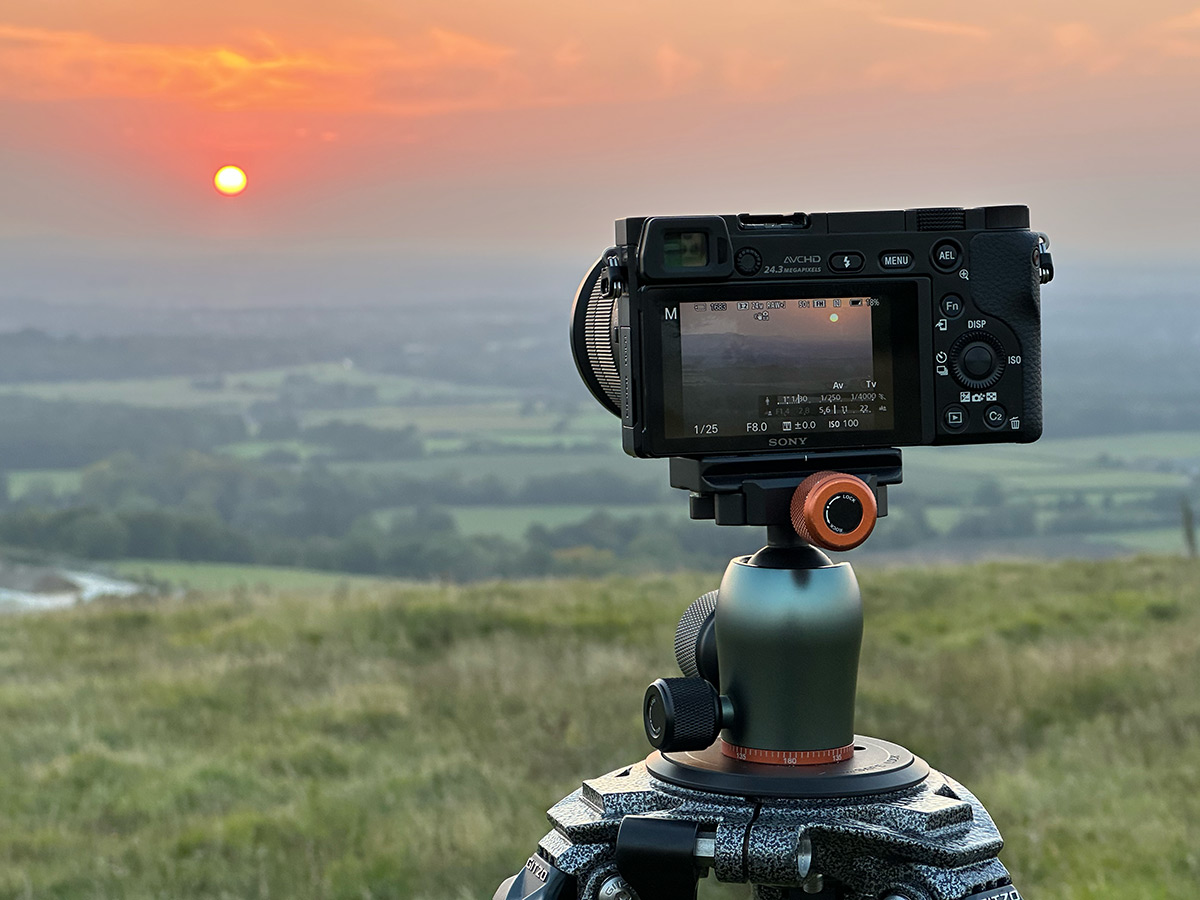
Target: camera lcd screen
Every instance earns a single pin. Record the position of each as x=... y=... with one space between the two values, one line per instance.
x=685 y=249
x=829 y=369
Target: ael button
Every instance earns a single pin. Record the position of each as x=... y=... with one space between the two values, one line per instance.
x=946 y=255
x=846 y=262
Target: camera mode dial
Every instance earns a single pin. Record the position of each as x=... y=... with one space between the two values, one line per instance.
x=747 y=261
x=977 y=359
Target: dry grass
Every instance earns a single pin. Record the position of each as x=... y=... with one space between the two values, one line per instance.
x=380 y=742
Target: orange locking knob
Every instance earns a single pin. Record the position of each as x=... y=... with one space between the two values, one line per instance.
x=834 y=510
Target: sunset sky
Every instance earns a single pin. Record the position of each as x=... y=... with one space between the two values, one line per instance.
x=483 y=127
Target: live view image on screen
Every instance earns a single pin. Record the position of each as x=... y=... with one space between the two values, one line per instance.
x=779 y=366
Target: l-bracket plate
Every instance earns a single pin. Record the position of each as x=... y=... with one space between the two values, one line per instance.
x=757 y=490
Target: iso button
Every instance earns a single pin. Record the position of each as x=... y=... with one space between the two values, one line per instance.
x=846 y=262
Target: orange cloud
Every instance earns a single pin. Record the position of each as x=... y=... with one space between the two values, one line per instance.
x=1079 y=44
x=935 y=26
x=676 y=70
x=432 y=70
x=1187 y=22
x=439 y=71
x=1178 y=36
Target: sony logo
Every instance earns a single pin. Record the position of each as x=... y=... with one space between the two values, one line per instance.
x=787 y=442
x=801 y=260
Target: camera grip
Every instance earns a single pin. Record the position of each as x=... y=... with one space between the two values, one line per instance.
x=1006 y=283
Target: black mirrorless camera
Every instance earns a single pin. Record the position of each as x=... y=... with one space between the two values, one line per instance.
x=747 y=334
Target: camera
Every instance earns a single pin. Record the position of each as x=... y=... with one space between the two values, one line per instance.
x=744 y=334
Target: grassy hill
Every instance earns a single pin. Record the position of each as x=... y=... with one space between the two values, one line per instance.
x=380 y=741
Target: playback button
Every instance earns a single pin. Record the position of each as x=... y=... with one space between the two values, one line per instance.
x=955 y=418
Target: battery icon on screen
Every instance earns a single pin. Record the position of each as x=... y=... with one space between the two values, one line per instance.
x=856 y=301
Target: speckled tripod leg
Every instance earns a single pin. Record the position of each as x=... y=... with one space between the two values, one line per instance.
x=930 y=841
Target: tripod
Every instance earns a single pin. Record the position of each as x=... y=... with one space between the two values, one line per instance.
x=758 y=776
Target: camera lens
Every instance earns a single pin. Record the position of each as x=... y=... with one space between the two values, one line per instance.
x=593 y=339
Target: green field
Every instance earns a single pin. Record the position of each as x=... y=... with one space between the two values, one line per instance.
x=204 y=576
x=514 y=520
x=1051 y=468
x=510 y=468
x=1151 y=540
x=388 y=742
x=57 y=481
x=243 y=388
x=255 y=449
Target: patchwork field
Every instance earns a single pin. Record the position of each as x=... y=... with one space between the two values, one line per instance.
x=1129 y=486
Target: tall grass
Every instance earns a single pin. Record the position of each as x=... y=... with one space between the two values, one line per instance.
x=402 y=742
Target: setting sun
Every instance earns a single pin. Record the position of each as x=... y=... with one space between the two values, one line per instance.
x=230 y=180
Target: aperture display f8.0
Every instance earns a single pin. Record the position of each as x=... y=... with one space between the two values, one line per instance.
x=783 y=366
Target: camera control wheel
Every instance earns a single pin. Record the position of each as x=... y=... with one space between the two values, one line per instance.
x=977 y=359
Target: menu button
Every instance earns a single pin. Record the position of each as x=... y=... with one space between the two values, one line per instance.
x=895 y=259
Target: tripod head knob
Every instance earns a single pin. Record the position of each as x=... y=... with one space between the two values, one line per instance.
x=681 y=714
x=834 y=510
x=696 y=642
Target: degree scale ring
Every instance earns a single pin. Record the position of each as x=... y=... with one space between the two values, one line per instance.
x=787 y=757
x=875 y=767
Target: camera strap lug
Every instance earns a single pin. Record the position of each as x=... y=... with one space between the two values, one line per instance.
x=613 y=278
x=1042 y=258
